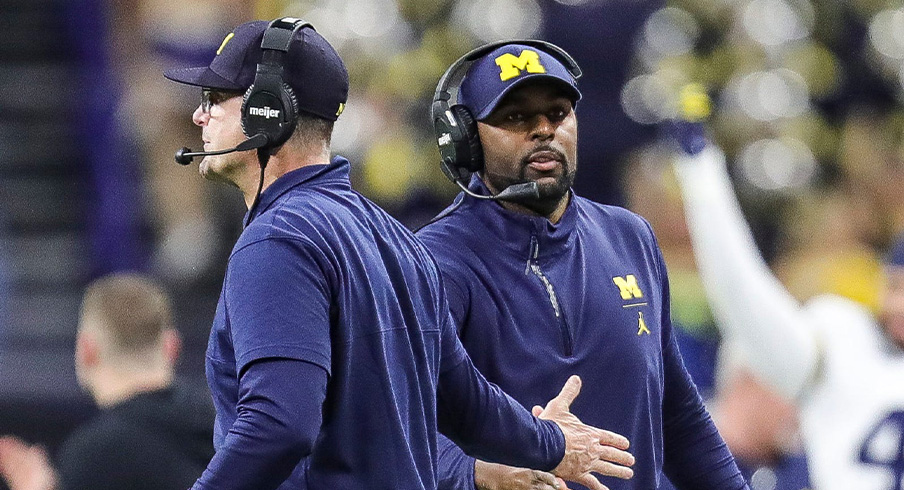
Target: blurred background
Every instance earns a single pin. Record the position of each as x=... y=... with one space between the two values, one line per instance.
x=808 y=97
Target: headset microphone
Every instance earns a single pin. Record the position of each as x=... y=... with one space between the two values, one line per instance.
x=516 y=192
x=184 y=156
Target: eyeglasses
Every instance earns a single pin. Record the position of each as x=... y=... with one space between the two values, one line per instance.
x=211 y=97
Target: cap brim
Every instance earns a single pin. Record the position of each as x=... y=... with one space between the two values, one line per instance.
x=571 y=89
x=200 y=77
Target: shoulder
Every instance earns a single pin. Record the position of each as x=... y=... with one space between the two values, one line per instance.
x=304 y=224
x=626 y=233
x=300 y=215
x=450 y=236
x=843 y=324
x=96 y=442
x=115 y=452
x=838 y=309
x=451 y=226
x=613 y=218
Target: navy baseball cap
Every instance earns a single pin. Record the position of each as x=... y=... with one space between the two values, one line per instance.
x=311 y=67
x=497 y=73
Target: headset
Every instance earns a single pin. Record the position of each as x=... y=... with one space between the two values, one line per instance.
x=456 y=128
x=270 y=107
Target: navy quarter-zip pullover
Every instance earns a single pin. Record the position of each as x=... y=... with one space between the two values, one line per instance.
x=536 y=302
x=331 y=308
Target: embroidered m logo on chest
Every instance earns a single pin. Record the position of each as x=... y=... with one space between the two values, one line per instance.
x=627 y=287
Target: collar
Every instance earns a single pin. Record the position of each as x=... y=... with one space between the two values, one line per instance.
x=337 y=171
x=526 y=235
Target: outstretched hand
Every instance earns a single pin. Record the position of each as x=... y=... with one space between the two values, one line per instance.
x=588 y=450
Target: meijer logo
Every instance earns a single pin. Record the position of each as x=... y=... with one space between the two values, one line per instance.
x=265 y=112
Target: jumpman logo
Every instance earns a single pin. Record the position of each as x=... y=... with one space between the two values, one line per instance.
x=641 y=325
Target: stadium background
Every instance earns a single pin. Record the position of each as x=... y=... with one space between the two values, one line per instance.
x=808 y=100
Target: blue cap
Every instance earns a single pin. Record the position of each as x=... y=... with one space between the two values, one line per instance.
x=497 y=73
x=311 y=67
x=895 y=256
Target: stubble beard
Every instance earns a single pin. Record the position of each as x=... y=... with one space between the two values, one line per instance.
x=551 y=194
x=216 y=168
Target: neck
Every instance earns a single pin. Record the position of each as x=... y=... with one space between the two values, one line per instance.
x=284 y=161
x=110 y=387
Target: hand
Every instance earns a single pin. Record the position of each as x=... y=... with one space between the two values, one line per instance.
x=694 y=106
x=491 y=476
x=25 y=467
x=587 y=449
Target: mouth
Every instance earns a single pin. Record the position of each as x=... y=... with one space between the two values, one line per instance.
x=544 y=160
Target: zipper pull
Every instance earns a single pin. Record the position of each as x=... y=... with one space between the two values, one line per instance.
x=532 y=253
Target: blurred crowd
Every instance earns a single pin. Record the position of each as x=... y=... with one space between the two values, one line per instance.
x=809 y=107
x=808 y=97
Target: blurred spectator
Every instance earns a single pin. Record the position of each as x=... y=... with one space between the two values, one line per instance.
x=152 y=432
x=837 y=362
x=758 y=425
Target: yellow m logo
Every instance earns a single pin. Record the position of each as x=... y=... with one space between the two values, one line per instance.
x=627 y=286
x=511 y=66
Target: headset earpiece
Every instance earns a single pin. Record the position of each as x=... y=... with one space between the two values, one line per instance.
x=459 y=143
x=471 y=158
x=270 y=106
x=276 y=112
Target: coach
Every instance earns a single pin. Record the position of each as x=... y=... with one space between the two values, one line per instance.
x=545 y=286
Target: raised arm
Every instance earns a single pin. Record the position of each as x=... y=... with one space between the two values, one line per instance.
x=751 y=305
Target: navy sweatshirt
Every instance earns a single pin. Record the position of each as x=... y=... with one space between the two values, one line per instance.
x=536 y=302
x=333 y=359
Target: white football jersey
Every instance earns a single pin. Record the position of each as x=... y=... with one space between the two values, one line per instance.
x=852 y=418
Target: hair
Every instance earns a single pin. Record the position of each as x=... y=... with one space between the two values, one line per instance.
x=311 y=129
x=131 y=310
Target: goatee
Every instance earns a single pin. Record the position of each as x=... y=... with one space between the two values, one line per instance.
x=551 y=194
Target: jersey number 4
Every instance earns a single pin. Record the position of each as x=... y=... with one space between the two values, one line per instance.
x=884 y=446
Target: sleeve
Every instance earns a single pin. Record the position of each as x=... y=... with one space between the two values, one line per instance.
x=485 y=422
x=751 y=305
x=278 y=303
x=276 y=427
x=459 y=298
x=695 y=456
x=455 y=469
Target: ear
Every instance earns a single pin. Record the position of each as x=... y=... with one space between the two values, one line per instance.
x=87 y=349
x=172 y=345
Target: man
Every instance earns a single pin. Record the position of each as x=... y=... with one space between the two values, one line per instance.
x=547 y=286
x=840 y=365
x=151 y=433
x=332 y=358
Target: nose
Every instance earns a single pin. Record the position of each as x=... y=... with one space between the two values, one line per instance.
x=543 y=129
x=199 y=117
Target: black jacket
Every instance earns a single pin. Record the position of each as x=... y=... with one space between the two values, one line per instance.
x=157 y=440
